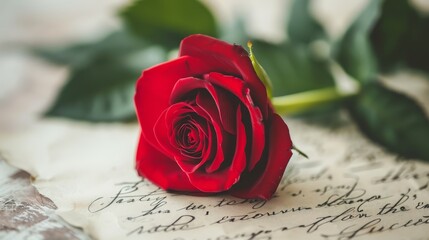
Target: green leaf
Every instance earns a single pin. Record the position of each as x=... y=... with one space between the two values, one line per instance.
x=401 y=36
x=98 y=93
x=354 y=52
x=392 y=119
x=302 y=27
x=167 y=22
x=102 y=87
x=115 y=44
x=293 y=68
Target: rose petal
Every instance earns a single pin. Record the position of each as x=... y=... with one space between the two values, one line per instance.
x=224 y=179
x=224 y=140
x=240 y=90
x=207 y=100
x=263 y=182
x=166 y=136
x=160 y=169
x=162 y=130
x=215 y=139
x=222 y=101
x=157 y=83
x=227 y=59
x=190 y=138
x=190 y=165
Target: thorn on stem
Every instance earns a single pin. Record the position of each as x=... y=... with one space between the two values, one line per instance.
x=299 y=151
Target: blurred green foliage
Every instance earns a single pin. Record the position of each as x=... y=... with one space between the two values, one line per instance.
x=354 y=50
x=400 y=37
x=392 y=119
x=167 y=22
x=386 y=35
x=102 y=81
x=302 y=27
x=293 y=68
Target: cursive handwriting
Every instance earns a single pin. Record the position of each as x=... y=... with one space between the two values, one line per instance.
x=255 y=203
x=398 y=206
x=319 y=203
x=376 y=226
x=128 y=194
x=256 y=215
x=182 y=223
x=352 y=196
x=405 y=171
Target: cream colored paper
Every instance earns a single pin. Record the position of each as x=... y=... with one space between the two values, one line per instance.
x=348 y=189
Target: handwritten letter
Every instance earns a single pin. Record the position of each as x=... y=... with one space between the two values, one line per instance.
x=348 y=189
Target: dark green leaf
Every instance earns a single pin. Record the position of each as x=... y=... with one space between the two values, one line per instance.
x=393 y=120
x=98 y=93
x=167 y=22
x=293 y=68
x=115 y=44
x=401 y=36
x=302 y=27
x=354 y=52
x=102 y=87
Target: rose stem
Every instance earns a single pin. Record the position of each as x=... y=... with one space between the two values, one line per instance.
x=300 y=102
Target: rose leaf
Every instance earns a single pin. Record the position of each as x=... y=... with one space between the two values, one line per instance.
x=353 y=52
x=293 y=68
x=102 y=81
x=392 y=119
x=400 y=36
x=167 y=22
x=302 y=27
x=117 y=43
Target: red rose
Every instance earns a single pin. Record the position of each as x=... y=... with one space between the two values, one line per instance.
x=207 y=124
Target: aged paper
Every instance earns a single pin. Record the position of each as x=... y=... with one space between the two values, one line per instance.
x=26 y=214
x=348 y=189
